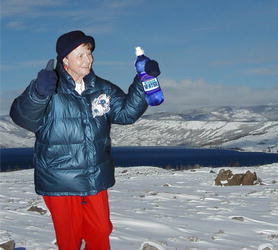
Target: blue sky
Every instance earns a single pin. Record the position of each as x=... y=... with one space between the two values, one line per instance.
x=211 y=52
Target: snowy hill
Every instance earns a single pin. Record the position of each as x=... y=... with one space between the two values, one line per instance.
x=250 y=129
x=12 y=136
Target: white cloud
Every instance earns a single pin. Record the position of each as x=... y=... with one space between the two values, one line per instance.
x=113 y=63
x=6 y=100
x=271 y=70
x=88 y=17
x=186 y=94
x=268 y=57
x=22 y=65
x=11 y=8
x=98 y=29
x=16 y=25
x=119 y=4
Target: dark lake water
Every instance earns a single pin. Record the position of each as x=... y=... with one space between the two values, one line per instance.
x=166 y=157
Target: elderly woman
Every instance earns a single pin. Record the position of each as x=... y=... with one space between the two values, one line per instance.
x=71 y=110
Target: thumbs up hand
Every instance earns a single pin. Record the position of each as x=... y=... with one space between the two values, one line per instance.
x=46 y=81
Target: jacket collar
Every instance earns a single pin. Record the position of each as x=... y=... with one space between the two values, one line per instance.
x=67 y=85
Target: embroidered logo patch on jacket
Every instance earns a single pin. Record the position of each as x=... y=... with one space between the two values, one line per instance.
x=101 y=105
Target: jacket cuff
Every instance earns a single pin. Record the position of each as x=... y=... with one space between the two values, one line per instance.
x=138 y=83
x=35 y=96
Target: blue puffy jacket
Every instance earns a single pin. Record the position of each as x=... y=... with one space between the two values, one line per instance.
x=72 y=153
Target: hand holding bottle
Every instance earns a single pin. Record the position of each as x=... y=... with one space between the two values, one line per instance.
x=148 y=70
x=152 y=68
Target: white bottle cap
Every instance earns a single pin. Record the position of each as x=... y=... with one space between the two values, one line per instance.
x=139 y=51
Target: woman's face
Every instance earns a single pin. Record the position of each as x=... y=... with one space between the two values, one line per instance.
x=78 y=62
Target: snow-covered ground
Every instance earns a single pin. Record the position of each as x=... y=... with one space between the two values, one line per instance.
x=174 y=209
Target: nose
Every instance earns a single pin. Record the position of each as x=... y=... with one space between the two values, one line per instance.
x=87 y=58
x=90 y=58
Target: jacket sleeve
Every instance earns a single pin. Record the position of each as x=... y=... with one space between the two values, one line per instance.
x=28 y=109
x=127 y=108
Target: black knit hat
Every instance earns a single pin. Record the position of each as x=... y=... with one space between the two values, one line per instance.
x=71 y=40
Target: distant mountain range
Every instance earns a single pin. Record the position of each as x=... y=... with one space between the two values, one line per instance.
x=248 y=128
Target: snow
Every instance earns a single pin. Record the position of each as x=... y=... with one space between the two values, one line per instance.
x=166 y=208
x=249 y=129
x=267 y=142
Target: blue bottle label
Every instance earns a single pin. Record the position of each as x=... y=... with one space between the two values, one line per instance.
x=150 y=85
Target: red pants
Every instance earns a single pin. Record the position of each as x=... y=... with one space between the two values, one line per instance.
x=76 y=218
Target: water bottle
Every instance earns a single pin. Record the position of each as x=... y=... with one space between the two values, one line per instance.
x=153 y=92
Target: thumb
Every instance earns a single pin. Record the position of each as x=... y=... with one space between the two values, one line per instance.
x=50 y=65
